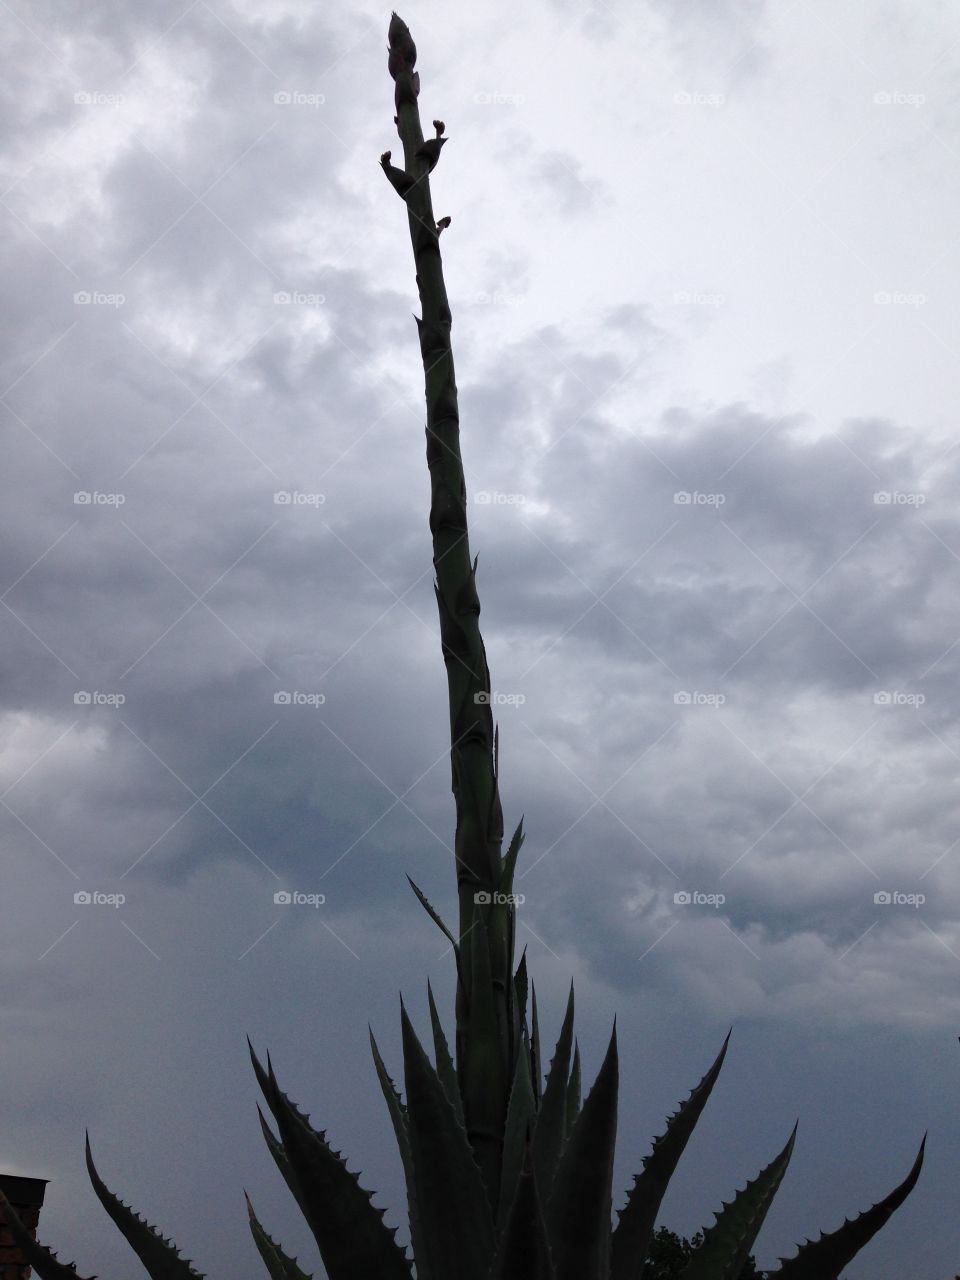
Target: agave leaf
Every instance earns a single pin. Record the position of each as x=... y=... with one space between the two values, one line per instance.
x=398 y=1112
x=573 y=1091
x=456 y=1218
x=401 y=1127
x=578 y=1210
x=521 y=1119
x=277 y=1263
x=509 y=865
x=279 y=1155
x=350 y=1233
x=536 y=1060
x=431 y=912
x=445 y=1068
x=484 y=1082
x=520 y=999
x=524 y=1252
x=632 y=1234
x=550 y=1134
x=727 y=1244
x=825 y=1258
x=160 y=1257
x=43 y=1261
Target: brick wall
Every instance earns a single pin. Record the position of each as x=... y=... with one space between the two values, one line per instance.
x=26 y=1196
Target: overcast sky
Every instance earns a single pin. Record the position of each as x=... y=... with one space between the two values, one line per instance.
x=703 y=272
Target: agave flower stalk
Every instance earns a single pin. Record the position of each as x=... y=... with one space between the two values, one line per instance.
x=485 y=1041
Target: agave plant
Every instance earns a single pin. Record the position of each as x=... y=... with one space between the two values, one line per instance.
x=508 y=1173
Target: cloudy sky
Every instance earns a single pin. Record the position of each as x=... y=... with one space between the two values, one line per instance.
x=703 y=272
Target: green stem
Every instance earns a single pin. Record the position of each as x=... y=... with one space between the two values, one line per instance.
x=482 y=1056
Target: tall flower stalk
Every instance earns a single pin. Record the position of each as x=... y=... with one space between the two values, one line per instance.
x=485 y=1043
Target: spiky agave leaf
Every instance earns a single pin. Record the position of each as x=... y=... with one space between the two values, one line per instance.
x=441 y=1052
x=509 y=864
x=572 y=1109
x=483 y=1067
x=521 y=1119
x=550 y=1133
x=280 y=1266
x=350 y=1232
x=452 y=1199
x=634 y=1229
x=727 y=1244
x=401 y=1128
x=578 y=1210
x=524 y=1251
x=435 y=917
x=520 y=999
x=44 y=1262
x=536 y=1057
x=160 y=1256
x=825 y=1258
